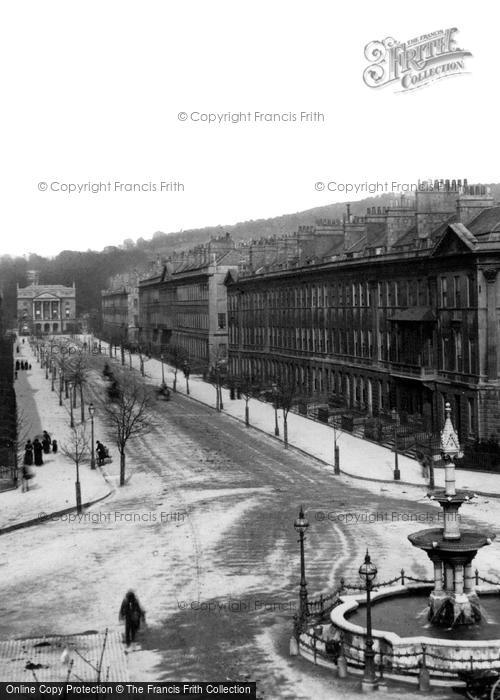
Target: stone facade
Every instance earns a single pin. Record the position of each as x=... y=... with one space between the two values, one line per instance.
x=399 y=312
x=185 y=307
x=48 y=309
x=120 y=309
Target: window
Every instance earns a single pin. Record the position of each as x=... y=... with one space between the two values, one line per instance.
x=470 y=291
x=456 y=292
x=221 y=320
x=444 y=292
x=458 y=351
x=471 y=416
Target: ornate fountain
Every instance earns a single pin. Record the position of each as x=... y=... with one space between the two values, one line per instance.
x=453 y=600
x=386 y=623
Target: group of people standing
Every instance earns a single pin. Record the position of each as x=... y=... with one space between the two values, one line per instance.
x=33 y=454
x=22 y=364
x=34 y=451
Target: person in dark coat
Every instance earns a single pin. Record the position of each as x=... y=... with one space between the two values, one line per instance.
x=54 y=445
x=38 y=450
x=101 y=453
x=28 y=453
x=46 y=442
x=132 y=613
x=17 y=365
x=29 y=365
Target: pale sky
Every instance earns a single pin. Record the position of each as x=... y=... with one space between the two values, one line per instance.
x=92 y=91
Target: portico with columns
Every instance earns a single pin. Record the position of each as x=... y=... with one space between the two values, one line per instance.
x=46 y=309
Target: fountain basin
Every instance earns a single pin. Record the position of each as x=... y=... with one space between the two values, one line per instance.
x=447 y=652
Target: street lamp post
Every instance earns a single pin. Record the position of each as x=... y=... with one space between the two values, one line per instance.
x=397 y=473
x=92 y=453
x=275 y=402
x=78 y=489
x=336 y=451
x=46 y=366
x=301 y=524
x=53 y=372
x=71 y=419
x=162 y=370
x=187 y=371
x=61 y=384
x=367 y=572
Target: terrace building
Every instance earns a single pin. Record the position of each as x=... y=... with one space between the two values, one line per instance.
x=395 y=311
x=120 y=309
x=185 y=306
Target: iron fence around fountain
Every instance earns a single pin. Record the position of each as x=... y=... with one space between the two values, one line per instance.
x=389 y=661
x=479 y=578
x=322 y=605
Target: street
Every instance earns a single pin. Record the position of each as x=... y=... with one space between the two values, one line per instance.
x=203 y=532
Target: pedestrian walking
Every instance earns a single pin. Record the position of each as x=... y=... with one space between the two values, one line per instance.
x=132 y=613
x=54 y=446
x=38 y=452
x=28 y=453
x=101 y=453
x=17 y=365
x=29 y=366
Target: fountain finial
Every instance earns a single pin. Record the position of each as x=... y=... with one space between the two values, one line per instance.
x=450 y=445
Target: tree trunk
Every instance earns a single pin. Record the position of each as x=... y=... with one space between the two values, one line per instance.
x=122 y=468
x=285 y=431
x=142 y=366
x=122 y=354
x=174 y=387
x=247 y=415
x=74 y=396
x=221 y=405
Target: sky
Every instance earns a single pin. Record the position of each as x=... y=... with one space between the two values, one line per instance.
x=108 y=95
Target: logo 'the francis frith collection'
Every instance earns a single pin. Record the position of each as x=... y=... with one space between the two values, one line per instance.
x=414 y=63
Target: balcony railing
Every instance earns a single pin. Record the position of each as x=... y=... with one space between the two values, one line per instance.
x=413 y=371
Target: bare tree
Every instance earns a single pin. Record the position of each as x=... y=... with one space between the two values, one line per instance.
x=176 y=355
x=78 y=374
x=77 y=450
x=129 y=415
x=286 y=393
x=142 y=354
x=249 y=386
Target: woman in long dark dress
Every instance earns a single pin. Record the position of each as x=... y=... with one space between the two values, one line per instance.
x=46 y=442
x=38 y=449
x=28 y=454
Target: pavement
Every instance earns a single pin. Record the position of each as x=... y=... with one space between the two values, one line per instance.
x=65 y=658
x=359 y=458
x=52 y=490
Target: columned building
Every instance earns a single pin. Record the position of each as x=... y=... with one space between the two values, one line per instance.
x=397 y=313
x=46 y=309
